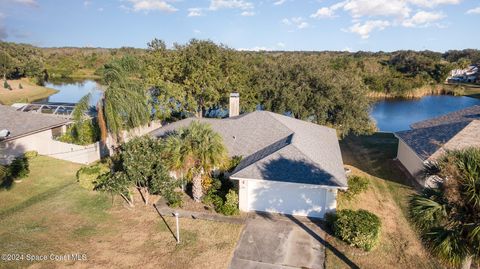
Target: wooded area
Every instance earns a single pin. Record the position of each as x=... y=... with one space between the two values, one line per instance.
x=329 y=88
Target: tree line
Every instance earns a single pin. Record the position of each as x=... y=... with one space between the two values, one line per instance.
x=329 y=88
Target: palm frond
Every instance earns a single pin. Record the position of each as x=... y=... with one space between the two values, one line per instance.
x=428 y=209
x=447 y=244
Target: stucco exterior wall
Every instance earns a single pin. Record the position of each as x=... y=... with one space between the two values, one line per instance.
x=286 y=198
x=410 y=161
x=44 y=144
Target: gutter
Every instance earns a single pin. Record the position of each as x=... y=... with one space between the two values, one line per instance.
x=289 y=182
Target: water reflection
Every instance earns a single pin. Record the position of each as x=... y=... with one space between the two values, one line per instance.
x=71 y=91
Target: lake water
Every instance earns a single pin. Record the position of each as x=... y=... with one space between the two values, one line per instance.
x=71 y=91
x=397 y=114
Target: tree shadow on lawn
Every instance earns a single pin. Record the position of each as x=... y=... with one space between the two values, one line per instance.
x=376 y=155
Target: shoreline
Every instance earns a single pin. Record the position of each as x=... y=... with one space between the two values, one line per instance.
x=30 y=92
x=472 y=91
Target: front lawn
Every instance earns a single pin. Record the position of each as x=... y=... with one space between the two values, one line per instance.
x=49 y=213
x=386 y=196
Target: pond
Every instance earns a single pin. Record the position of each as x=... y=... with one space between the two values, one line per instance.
x=393 y=115
x=71 y=91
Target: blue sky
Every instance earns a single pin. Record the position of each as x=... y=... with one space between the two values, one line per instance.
x=370 y=25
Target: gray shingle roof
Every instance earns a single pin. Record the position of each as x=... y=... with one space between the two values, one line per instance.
x=468 y=114
x=23 y=123
x=278 y=148
x=428 y=138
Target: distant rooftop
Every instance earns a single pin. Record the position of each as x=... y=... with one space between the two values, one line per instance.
x=22 y=123
x=430 y=138
x=278 y=148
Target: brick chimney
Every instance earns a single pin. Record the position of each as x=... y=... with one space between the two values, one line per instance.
x=234 y=109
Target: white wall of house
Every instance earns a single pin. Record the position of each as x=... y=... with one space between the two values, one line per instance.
x=410 y=161
x=44 y=144
x=286 y=198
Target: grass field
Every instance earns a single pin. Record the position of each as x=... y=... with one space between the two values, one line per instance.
x=48 y=213
x=29 y=93
x=387 y=197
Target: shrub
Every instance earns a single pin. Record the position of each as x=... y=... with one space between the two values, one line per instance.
x=356 y=185
x=358 y=228
x=81 y=133
x=230 y=207
x=3 y=173
x=162 y=183
x=20 y=86
x=6 y=85
x=88 y=175
x=31 y=154
x=19 y=168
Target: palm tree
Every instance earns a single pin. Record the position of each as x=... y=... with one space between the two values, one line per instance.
x=449 y=215
x=195 y=150
x=125 y=102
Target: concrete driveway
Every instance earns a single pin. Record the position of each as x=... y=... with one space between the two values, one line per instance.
x=271 y=241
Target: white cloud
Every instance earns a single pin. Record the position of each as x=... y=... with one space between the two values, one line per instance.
x=248 y=13
x=195 y=12
x=87 y=3
x=100 y=9
x=370 y=8
x=298 y=22
x=433 y=3
x=230 y=4
x=474 y=11
x=256 y=48
x=148 y=5
x=324 y=12
x=279 y=2
x=281 y=44
x=423 y=19
x=364 y=29
x=197 y=32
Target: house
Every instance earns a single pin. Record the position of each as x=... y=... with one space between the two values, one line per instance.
x=467 y=75
x=429 y=139
x=32 y=131
x=289 y=166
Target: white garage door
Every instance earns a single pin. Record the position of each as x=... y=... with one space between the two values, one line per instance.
x=288 y=198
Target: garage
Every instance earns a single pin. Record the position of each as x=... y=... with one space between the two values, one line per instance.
x=286 y=198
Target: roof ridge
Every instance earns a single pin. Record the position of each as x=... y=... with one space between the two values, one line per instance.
x=270 y=114
x=240 y=168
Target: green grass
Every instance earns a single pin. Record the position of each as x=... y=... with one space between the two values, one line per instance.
x=49 y=212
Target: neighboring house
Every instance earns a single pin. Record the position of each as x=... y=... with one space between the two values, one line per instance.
x=429 y=139
x=467 y=75
x=289 y=166
x=31 y=131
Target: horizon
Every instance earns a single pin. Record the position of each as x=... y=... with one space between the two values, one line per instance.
x=270 y=25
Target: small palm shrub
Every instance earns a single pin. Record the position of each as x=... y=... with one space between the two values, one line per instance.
x=359 y=228
x=20 y=86
x=356 y=185
x=230 y=207
x=19 y=168
x=6 y=85
x=448 y=215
